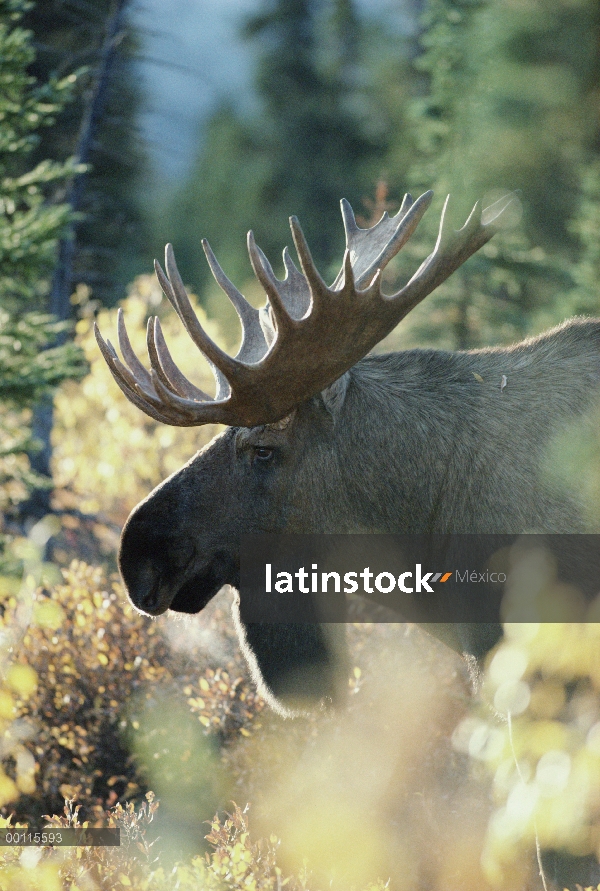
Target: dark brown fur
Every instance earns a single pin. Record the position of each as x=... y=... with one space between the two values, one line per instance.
x=415 y=441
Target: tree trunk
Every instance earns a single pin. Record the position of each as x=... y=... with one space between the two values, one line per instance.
x=59 y=303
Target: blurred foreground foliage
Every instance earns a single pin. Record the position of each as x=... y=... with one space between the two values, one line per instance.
x=104 y=667
x=538 y=734
x=235 y=860
x=83 y=673
x=83 y=642
x=99 y=704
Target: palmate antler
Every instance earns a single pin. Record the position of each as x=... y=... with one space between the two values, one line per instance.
x=315 y=334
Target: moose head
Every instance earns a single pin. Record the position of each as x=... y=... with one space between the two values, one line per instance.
x=324 y=438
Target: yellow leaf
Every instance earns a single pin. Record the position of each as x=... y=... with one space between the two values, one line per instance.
x=7 y=708
x=8 y=790
x=48 y=614
x=26 y=783
x=124 y=880
x=22 y=678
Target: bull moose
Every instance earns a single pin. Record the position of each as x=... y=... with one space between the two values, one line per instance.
x=324 y=438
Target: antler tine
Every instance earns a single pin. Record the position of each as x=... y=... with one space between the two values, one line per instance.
x=153 y=355
x=451 y=250
x=188 y=413
x=172 y=371
x=169 y=292
x=494 y=211
x=141 y=385
x=166 y=288
x=253 y=345
x=140 y=379
x=372 y=249
x=115 y=367
x=137 y=369
x=407 y=203
x=161 y=403
x=348 y=218
x=264 y=273
x=294 y=288
x=349 y=284
x=225 y=283
x=316 y=285
x=178 y=294
x=349 y=290
x=140 y=403
x=166 y=369
x=107 y=349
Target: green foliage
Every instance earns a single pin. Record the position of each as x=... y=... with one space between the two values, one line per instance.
x=110 y=230
x=219 y=200
x=450 y=70
x=533 y=114
x=494 y=114
x=488 y=98
x=586 y=227
x=30 y=226
x=316 y=139
x=509 y=103
x=320 y=140
x=27 y=368
x=25 y=106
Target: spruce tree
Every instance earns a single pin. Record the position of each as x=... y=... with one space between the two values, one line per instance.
x=310 y=143
x=31 y=224
x=110 y=227
x=496 y=115
x=585 y=296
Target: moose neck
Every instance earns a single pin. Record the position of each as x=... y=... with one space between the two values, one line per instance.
x=455 y=442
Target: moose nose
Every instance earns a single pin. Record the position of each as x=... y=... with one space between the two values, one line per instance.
x=147 y=559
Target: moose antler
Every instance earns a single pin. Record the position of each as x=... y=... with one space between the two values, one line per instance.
x=313 y=334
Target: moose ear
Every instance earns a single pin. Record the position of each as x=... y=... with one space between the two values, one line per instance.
x=334 y=395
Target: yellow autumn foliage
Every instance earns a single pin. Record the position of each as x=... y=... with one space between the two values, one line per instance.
x=106 y=451
x=539 y=736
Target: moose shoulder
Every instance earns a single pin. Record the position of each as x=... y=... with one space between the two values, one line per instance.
x=325 y=438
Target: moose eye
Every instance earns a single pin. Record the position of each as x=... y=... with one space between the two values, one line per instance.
x=263 y=453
